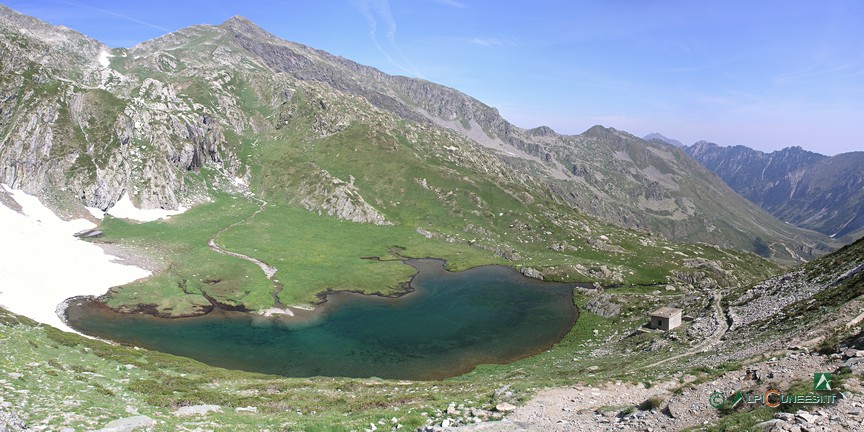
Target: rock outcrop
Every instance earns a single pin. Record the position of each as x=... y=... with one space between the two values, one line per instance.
x=531 y=273
x=326 y=194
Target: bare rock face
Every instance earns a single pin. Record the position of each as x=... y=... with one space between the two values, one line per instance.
x=602 y=306
x=196 y=410
x=11 y=422
x=74 y=125
x=531 y=272
x=505 y=407
x=128 y=424
x=326 y=194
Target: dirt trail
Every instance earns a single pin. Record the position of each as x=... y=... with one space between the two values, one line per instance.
x=708 y=342
x=268 y=270
x=598 y=408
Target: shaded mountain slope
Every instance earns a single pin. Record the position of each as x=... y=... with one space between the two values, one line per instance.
x=807 y=189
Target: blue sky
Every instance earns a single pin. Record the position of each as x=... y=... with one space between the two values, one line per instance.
x=765 y=74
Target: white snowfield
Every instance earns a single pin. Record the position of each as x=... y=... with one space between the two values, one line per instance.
x=124 y=209
x=42 y=263
x=104 y=58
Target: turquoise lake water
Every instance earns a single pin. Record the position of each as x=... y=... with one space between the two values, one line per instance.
x=451 y=323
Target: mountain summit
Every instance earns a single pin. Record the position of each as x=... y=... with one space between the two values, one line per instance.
x=657 y=136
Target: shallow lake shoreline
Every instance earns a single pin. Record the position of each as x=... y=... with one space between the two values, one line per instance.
x=500 y=316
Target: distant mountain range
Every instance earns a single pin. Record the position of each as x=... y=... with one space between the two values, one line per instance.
x=807 y=189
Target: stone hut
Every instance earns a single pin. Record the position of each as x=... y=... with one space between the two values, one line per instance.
x=665 y=318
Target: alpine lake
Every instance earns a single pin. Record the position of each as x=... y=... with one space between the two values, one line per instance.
x=450 y=323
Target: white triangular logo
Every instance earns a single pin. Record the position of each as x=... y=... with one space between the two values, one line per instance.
x=823 y=379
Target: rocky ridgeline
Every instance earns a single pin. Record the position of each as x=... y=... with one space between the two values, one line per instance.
x=98 y=123
x=810 y=190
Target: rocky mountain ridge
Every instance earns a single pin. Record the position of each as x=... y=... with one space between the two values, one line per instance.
x=75 y=128
x=563 y=163
x=145 y=121
x=807 y=189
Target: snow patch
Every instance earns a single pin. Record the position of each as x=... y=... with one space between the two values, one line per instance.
x=104 y=58
x=276 y=311
x=97 y=213
x=42 y=263
x=124 y=209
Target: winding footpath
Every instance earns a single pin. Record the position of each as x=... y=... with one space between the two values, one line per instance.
x=707 y=343
x=268 y=270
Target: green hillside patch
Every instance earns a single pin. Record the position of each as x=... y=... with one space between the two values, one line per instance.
x=190 y=267
x=314 y=254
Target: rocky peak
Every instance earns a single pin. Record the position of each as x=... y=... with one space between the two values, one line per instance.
x=798 y=153
x=241 y=25
x=239 y=20
x=702 y=145
x=599 y=131
x=542 y=131
x=654 y=136
x=64 y=50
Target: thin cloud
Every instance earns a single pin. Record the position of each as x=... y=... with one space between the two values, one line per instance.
x=452 y=3
x=709 y=65
x=486 y=42
x=378 y=11
x=814 y=72
x=118 y=15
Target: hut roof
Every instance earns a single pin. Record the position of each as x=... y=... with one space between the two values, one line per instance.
x=666 y=312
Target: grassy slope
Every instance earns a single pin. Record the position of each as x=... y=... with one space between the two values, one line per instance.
x=181 y=242
x=470 y=203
